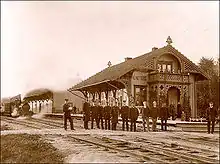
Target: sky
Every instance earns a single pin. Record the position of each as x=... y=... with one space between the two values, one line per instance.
x=55 y=44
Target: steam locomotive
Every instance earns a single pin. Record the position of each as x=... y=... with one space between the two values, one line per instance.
x=10 y=105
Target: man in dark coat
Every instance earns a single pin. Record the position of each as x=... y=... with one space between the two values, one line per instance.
x=179 y=110
x=114 y=120
x=86 y=114
x=94 y=115
x=67 y=115
x=164 y=114
x=100 y=111
x=154 y=114
x=133 y=116
x=107 y=116
x=145 y=116
x=172 y=111
x=211 y=114
x=124 y=115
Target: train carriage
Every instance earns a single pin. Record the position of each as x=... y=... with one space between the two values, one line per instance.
x=44 y=100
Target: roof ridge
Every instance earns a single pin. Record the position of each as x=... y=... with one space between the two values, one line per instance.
x=190 y=62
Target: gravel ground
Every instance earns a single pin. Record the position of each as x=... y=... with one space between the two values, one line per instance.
x=76 y=152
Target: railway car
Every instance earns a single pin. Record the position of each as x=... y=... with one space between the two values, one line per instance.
x=45 y=100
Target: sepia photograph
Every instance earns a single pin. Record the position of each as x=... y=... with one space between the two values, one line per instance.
x=110 y=82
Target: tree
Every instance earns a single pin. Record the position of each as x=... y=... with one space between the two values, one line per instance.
x=208 y=90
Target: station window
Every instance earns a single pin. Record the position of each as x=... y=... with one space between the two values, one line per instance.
x=169 y=69
x=159 y=67
x=164 y=67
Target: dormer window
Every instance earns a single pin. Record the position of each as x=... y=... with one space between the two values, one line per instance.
x=169 y=63
x=165 y=66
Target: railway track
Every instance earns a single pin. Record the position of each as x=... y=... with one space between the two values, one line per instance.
x=149 y=152
x=145 y=150
x=180 y=153
x=31 y=123
x=118 y=147
x=198 y=140
x=19 y=122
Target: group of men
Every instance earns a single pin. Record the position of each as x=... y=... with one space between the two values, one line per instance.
x=108 y=115
x=155 y=112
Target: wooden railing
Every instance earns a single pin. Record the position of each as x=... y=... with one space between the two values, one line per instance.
x=171 y=77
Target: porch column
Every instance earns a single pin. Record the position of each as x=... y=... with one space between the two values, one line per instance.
x=99 y=94
x=106 y=96
x=32 y=106
x=193 y=100
x=93 y=97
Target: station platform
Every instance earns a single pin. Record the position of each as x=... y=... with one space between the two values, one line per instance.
x=185 y=126
x=80 y=116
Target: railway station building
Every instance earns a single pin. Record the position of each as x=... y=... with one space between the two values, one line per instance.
x=164 y=74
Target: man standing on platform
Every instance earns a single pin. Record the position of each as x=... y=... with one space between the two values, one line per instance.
x=94 y=115
x=115 y=112
x=133 y=115
x=124 y=115
x=164 y=114
x=154 y=115
x=107 y=116
x=172 y=111
x=67 y=115
x=145 y=116
x=86 y=114
x=100 y=111
x=179 y=110
x=211 y=114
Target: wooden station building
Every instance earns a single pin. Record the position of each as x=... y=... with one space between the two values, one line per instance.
x=162 y=72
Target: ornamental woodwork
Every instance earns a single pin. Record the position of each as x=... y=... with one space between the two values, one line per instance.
x=168 y=77
x=150 y=64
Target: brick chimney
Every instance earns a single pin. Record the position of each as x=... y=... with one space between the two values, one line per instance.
x=128 y=58
x=154 y=48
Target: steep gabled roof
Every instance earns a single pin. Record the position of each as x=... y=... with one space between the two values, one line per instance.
x=144 y=61
x=116 y=71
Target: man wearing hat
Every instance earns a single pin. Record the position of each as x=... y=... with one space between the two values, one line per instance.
x=133 y=116
x=100 y=111
x=211 y=114
x=107 y=116
x=145 y=115
x=154 y=115
x=114 y=113
x=67 y=115
x=94 y=115
x=86 y=114
x=124 y=115
x=164 y=114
